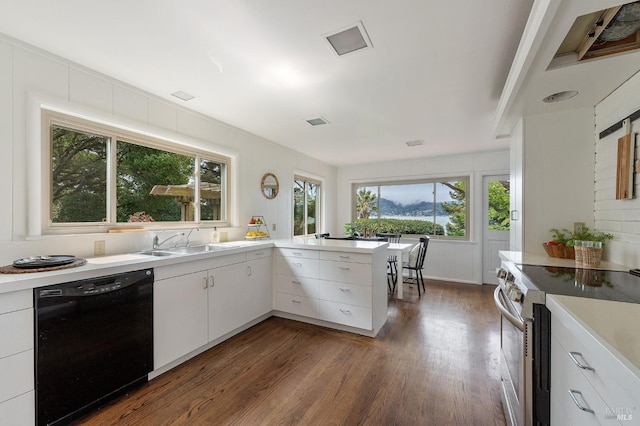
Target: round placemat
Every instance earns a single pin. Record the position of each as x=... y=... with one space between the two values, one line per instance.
x=10 y=269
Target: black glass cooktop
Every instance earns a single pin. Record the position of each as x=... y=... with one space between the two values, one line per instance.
x=596 y=284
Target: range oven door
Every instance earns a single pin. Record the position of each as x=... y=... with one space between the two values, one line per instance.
x=515 y=370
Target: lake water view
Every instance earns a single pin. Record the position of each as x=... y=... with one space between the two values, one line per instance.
x=440 y=220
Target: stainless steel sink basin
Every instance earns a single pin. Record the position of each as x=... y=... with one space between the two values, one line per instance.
x=155 y=252
x=197 y=249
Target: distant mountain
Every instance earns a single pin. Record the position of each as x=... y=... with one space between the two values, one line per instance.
x=422 y=208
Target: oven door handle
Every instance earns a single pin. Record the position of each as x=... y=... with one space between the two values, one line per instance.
x=497 y=298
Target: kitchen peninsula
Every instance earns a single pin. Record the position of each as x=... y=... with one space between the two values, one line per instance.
x=336 y=284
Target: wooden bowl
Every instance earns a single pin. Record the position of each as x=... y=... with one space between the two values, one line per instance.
x=562 y=252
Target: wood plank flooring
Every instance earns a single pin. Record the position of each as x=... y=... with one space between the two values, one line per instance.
x=435 y=362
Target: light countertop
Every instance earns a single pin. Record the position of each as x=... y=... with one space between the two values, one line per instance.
x=614 y=325
x=119 y=263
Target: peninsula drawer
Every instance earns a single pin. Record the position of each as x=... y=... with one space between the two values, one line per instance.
x=354 y=316
x=301 y=286
x=287 y=252
x=298 y=267
x=341 y=256
x=352 y=294
x=294 y=304
x=259 y=254
x=356 y=273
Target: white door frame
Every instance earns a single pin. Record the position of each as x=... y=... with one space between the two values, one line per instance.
x=492 y=241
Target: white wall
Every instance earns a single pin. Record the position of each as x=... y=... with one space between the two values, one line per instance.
x=448 y=260
x=558 y=174
x=27 y=73
x=619 y=217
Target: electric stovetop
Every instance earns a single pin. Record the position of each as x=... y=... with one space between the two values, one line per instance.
x=618 y=286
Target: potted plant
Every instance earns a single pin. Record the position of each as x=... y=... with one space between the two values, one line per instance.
x=562 y=242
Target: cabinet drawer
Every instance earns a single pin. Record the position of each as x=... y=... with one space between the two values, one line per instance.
x=259 y=254
x=288 y=252
x=354 y=316
x=20 y=410
x=609 y=378
x=294 y=304
x=301 y=286
x=16 y=332
x=565 y=378
x=297 y=267
x=355 y=273
x=341 y=256
x=16 y=375
x=351 y=294
x=16 y=300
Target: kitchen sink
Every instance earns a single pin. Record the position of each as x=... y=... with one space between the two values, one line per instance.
x=198 y=249
x=185 y=250
x=156 y=252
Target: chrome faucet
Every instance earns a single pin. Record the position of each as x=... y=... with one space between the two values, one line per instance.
x=156 y=244
x=189 y=235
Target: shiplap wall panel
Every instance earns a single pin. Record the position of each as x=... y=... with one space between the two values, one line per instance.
x=619 y=217
x=6 y=135
x=90 y=90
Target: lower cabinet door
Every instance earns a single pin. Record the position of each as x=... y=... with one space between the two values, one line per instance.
x=227 y=304
x=354 y=316
x=20 y=410
x=180 y=315
x=295 y=304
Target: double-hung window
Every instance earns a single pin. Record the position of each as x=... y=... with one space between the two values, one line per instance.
x=306 y=206
x=428 y=207
x=102 y=176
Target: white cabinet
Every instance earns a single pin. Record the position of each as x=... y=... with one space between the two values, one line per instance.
x=258 y=293
x=226 y=299
x=345 y=288
x=196 y=303
x=180 y=315
x=589 y=386
x=17 y=404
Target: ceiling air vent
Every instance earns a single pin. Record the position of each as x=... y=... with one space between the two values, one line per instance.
x=349 y=39
x=182 y=95
x=317 y=121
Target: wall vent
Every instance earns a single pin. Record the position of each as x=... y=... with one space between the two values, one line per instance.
x=351 y=38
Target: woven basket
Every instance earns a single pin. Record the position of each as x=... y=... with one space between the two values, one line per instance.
x=562 y=252
x=591 y=256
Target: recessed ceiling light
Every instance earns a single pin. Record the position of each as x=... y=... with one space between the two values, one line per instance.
x=317 y=121
x=560 y=96
x=415 y=143
x=349 y=39
x=182 y=95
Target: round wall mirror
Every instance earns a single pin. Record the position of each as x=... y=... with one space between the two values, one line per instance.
x=269 y=186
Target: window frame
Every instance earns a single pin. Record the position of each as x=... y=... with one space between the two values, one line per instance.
x=114 y=133
x=318 y=209
x=434 y=180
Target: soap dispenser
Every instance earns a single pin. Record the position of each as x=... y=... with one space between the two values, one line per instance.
x=215 y=235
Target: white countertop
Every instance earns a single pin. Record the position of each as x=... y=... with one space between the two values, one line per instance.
x=523 y=258
x=614 y=325
x=119 y=263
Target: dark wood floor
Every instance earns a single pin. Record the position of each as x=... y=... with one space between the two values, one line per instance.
x=435 y=362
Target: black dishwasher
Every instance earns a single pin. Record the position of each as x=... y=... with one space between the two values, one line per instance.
x=94 y=342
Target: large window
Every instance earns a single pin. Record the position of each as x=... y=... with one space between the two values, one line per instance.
x=306 y=206
x=430 y=207
x=107 y=176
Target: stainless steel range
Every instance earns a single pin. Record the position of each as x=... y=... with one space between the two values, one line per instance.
x=526 y=329
x=518 y=299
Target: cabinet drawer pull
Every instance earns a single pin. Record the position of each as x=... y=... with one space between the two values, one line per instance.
x=344 y=268
x=345 y=311
x=213 y=281
x=573 y=355
x=572 y=394
x=296 y=282
x=345 y=290
x=260 y=253
x=345 y=257
x=295 y=301
x=296 y=253
x=206 y=282
x=298 y=264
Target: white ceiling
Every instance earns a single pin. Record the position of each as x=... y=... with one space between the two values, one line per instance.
x=435 y=73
